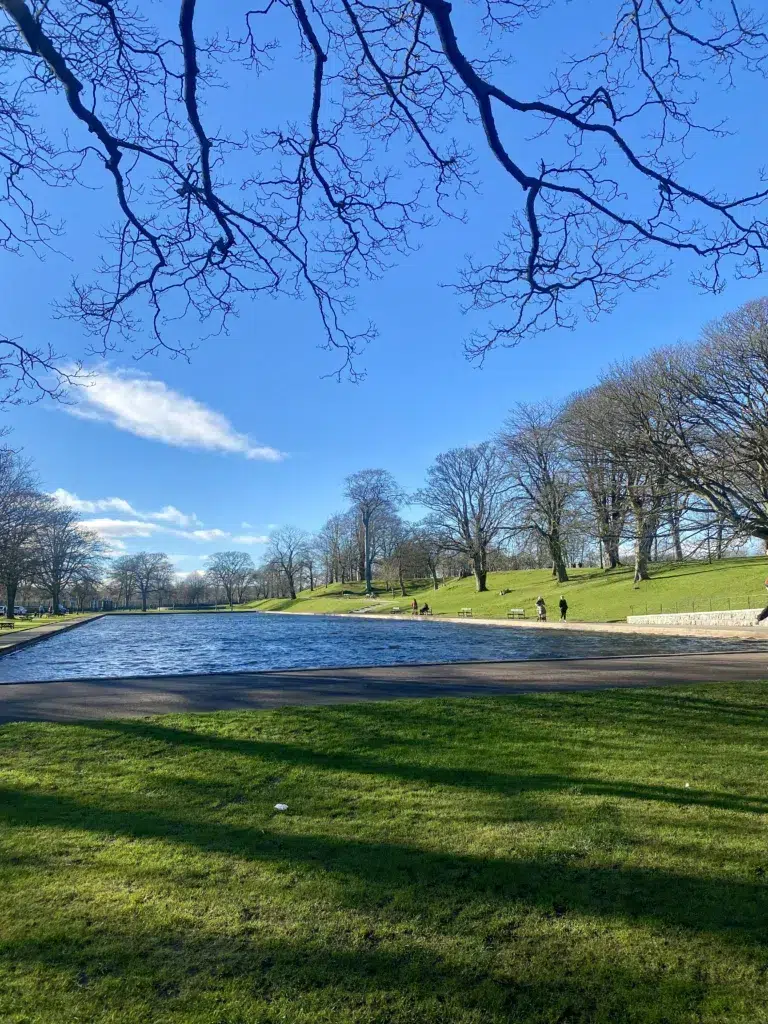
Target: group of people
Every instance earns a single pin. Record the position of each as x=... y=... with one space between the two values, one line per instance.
x=541 y=608
x=415 y=610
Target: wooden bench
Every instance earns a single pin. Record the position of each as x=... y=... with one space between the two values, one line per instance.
x=516 y=613
x=395 y=611
x=7 y=625
x=465 y=613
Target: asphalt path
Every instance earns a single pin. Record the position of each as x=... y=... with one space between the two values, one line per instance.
x=70 y=701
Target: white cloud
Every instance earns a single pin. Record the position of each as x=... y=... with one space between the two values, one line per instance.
x=100 y=505
x=246 y=526
x=206 y=534
x=115 y=528
x=150 y=409
x=172 y=515
x=250 y=538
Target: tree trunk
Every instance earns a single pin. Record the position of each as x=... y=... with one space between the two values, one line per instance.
x=643 y=548
x=480 y=571
x=400 y=580
x=558 y=560
x=367 y=555
x=434 y=579
x=719 y=541
x=144 y=600
x=10 y=596
x=55 y=594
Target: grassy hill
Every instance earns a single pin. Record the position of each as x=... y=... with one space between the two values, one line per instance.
x=592 y=594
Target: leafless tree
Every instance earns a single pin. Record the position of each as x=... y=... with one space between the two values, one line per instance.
x=542 y=480
x=286 y=547
x=374 y=495
x=428 y=543
x=122 y=576
x=66 y=554
x=193 y=588
x=600 y=193
x=589 y=431
x=702 y=410
x=232 y=571
x=23 y=510
x=468 y=493
x=153 y=573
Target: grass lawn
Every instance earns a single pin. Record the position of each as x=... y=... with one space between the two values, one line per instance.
x=44 y=620
x=551 y=859
x=592 y=594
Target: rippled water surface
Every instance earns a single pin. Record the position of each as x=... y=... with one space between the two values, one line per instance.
x=168 y=644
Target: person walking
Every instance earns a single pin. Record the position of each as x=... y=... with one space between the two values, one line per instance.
x=414 y=607
x=563 y=608
x=541 y=609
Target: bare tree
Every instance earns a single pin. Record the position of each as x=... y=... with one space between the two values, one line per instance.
x=153 y=573
x=67 y=554
x=468 y=494
x=122 y=576
x=23 y=509
x=589 y=431
x=232 y=571
x=286 y=547
x=429 y=545
x=374 y=496
x=193 y=588
x=542 y=480
x=595 y=167
x=702 y=411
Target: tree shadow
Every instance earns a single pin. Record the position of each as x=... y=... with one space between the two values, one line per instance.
x=380 y=975
x=417 y=883
x=465 y=778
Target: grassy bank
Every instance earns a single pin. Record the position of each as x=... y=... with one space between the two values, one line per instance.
x=588 y=858
x=45 y=620
x=593 y=595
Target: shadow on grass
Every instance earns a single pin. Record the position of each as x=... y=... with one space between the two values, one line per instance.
x=487 y=782
x=420 y=883
x=378 y=977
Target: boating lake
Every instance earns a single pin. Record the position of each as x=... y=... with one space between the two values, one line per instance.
x=173 y=644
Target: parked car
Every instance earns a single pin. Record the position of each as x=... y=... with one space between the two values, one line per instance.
x=19 y=609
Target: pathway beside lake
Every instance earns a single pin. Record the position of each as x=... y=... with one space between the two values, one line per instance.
x=64 y=701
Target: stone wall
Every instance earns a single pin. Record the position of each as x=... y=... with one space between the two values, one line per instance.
x=740 y=617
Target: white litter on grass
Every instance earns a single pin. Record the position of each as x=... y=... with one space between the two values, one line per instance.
x=281 y=807
x=687 y=785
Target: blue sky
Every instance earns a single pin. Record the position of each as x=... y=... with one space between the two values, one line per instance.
x=193 y=457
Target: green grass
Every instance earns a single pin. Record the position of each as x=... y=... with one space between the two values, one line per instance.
x=582 y=858
x=592 y=595
x=44 y=620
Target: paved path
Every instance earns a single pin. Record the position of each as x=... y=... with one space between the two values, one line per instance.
x=112 y=698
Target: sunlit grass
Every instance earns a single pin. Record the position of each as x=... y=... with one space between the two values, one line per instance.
x=592 y=594
x=591 y=858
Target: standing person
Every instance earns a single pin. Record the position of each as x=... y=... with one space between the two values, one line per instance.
x=414 y=607
x=563 y=604
x=764 y=613
x=541 y=609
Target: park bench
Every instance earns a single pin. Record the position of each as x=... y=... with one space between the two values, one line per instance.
x=516 y=613
x=465 y=613
x=7 y=625
x=395 y=610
